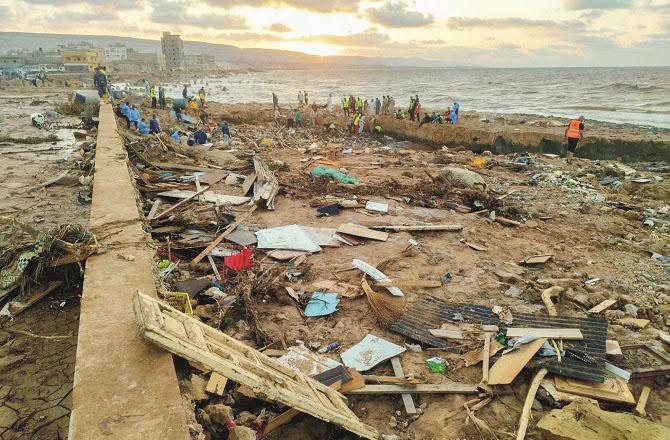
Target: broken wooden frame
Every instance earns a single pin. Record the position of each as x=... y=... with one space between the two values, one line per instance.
x=199 y=343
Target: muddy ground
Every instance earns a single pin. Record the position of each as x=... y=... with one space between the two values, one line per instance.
x=564 y=210
x=36 y=373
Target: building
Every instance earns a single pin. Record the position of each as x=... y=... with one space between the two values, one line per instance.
x=115 y=52
x=138 y=62
x=42 y=56
x=80 y=60
x=199 y=62
x=11 y=62
x=173 y=51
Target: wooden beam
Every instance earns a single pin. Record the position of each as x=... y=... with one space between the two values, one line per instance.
x=485 y=357
x=451 y=388
x=554 y=333
x=528 y=404
x=446 y=228
x=181 y=203
x=602 y=306
x=216 y=384
x=510 y=365
x=362 y=231
x=546 y=296
x=406 y=397
x=642 y=402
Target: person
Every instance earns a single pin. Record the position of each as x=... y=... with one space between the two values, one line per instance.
x=298 y=117
x=426 y=120
x=345 y=106
x=352 y=105
x=193 y=105
x=357 y=119
x=312 y=114
x=329 y=103
x=200 y=137
x=290 y=117
x=161 y=97
x=177 y=114
x=277 y=115
x=301 y=98
x=378 y=129
x=275 y=101
x=226 y=133
x=201 y=95
x=154 y=125
x=417 y=107
x=184 y=92
x=134 y=116
x=361 y=124
x=454 y=117
x=306 y=99
x=203 y=117
x=125 y=112
x=411 y=108
x=574 y=132
x=154 y=96
x=457 y=107
x=391 y=105
x=378 y=106
x=176 y=136
x=366 y=107
x=100 y=82
x=142 y=127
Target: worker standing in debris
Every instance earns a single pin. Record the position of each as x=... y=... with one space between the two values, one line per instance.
x=329 y=103
x=154 y=125
x=275 y=101
x=100 y=82
x=201 y=95
x=184 y=92
x=301 y=98
x=298 y=117
x=573 y=134
x=146 y=87
x=306 y=99
x=154 y=96
x=225 y=129
x=345 y=106
x=161 y=97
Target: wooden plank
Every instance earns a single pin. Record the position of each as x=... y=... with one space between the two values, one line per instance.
x=210 y=178
x=510 y=365
x=181 y=203
x=248 y=183
x=244 y=365
x=451 y=388
x=486 y=354
x=537 y=259
x=225 y=233
x=198 y=188
x=634 y=322
x=446 y=333
x=602 y=306
x=154 y=209
x=361 y=231
x=553 y=333
x=612 y=390
x=410 y=283
x=406 y=398
x=642 y=402
x=281 y=420
x=477 y=247
x=17 y=308
x=612 y=348
x=357 y=381
x=215 y=269
x=216 y=384
x=445 y=228
x=178 y=166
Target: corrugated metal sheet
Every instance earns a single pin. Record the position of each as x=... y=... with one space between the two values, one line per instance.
x=430 y=312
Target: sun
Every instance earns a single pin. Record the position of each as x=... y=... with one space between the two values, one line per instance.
x=319 y=49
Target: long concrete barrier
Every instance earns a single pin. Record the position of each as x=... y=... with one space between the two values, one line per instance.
x=124 y=387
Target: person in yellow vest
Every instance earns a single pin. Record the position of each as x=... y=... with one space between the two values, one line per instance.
x=154 y=96
x=573 y=134
x=201 y=95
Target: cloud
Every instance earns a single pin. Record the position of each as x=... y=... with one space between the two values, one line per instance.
x=107 y=4
x=82 y=17
x=176 y=13
x=576 y=5
x=394 y=14
x=467 y=23
x=369 y=38
x=278 y=27
x=248 y=36
x=311 y=5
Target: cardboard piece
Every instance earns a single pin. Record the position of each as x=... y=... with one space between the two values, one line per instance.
x=291 y=237
x=476 y=356
x=553 y=333
x=362 y=231
x=370 y=351
x=510 y=365
x=377 y=207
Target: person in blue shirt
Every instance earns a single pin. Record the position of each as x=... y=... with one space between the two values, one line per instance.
x=200 y=137
x=453 y=116
x=226 y=133
x=125 y=112
x=154 y=126
x=134 y=116
x=176 y=136
x=457 y=106
x=142 y=127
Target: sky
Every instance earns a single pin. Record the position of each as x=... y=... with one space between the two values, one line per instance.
x=510 y=33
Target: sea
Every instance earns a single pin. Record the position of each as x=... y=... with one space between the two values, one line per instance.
x=623 y=95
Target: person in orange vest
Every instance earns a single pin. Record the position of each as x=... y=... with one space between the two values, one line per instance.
x=573 y=134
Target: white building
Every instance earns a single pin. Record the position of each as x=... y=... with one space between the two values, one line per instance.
x=116 y=52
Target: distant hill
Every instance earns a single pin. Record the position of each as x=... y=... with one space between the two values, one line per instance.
x=222 y=52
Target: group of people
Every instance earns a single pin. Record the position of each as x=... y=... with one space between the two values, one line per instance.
x=449 y=116
x=157 y=96
x=132 y=115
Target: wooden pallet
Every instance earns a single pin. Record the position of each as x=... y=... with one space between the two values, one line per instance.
x=192 y=340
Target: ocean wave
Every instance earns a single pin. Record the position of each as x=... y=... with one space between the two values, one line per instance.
x=626 y=87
